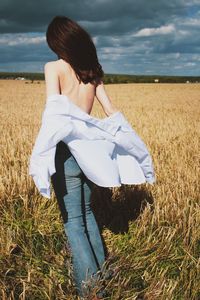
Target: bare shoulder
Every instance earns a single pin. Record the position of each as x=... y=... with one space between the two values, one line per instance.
x=57 y=65
x=51 y=65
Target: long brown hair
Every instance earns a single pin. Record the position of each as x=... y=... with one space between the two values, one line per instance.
x=73 y=44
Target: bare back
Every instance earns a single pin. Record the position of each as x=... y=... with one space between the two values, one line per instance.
x=81 y=94
x=61 y=78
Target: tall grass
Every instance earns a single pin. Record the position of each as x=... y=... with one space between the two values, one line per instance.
x=151 y=233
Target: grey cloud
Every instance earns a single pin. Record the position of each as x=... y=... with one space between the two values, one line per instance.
x=114 y=24
x=25 y=16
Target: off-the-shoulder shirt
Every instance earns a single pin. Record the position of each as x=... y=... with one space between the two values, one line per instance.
x=108 y=150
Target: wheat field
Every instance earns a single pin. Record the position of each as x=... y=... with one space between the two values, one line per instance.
x=151 y=233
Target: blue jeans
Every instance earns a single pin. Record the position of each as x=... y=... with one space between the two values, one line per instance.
x=73 y=192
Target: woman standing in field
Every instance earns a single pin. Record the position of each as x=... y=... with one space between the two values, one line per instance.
x=77 y=74
x=76 y=150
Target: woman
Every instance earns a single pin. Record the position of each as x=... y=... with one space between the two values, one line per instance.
x=77 y=74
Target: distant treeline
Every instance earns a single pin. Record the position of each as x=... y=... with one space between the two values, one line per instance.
x=111 y=78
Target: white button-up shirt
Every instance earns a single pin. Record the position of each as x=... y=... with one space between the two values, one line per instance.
x=108 y=150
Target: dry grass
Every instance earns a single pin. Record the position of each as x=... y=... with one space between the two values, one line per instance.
x=152 y=232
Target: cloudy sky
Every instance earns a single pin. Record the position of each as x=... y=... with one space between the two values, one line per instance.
x=131 y=36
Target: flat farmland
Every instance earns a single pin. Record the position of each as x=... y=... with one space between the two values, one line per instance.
x=151 y=233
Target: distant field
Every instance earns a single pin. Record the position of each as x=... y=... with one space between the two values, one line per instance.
x=152 y=232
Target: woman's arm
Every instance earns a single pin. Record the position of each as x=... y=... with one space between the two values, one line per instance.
x=51 y=79
x=104 y=100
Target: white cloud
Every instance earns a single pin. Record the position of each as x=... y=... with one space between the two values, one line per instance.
x=177 y=55
x=95 y=39
x=166 y=29
x=191 y=2
x=178 y=67
x=196 y=57
x=191 y=22
x=19 y=39
x=190 y=64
